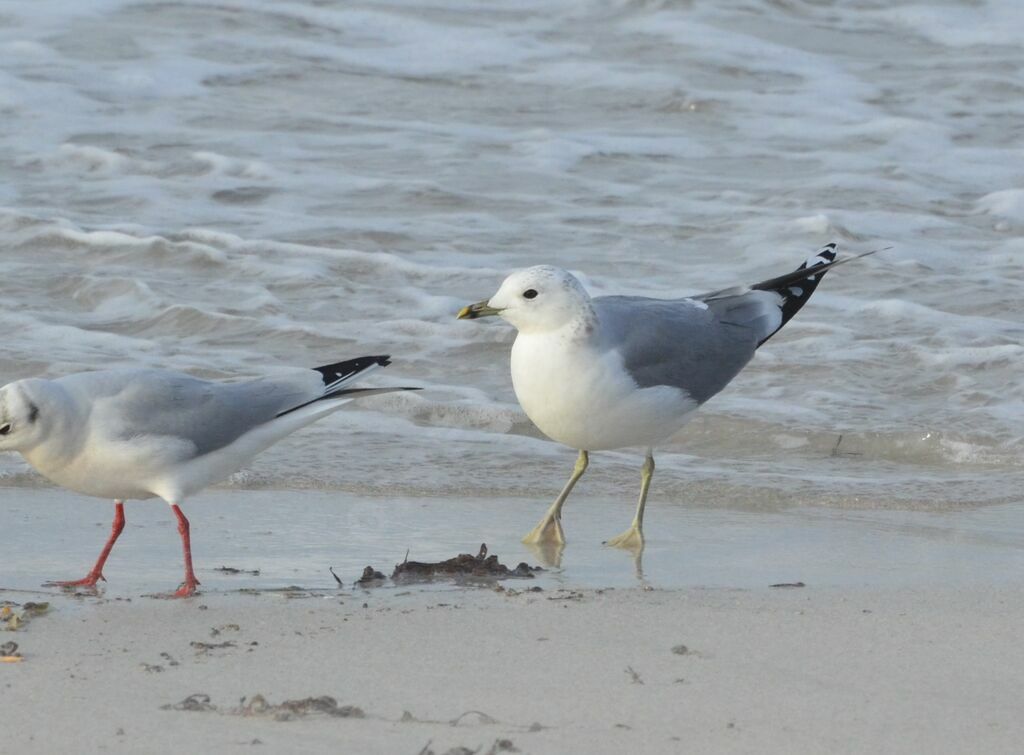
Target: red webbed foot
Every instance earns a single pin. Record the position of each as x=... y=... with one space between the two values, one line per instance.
x=90 y=580
x=187 y=589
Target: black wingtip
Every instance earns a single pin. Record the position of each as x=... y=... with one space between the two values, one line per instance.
x=341 y=371
x=796 y=287
x=823 y=256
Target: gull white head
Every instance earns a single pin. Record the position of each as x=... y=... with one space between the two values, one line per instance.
x=22 y=424
x=536 y=299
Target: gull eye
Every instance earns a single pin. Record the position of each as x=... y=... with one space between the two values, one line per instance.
x=530 y=293
x=4 y=429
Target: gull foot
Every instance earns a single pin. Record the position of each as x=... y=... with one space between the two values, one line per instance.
x=90 y=580
x=548 y=532
x=632 y=539
x=187 y=589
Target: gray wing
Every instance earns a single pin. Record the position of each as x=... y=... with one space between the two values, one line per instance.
x=209 y=415
x=695 y=346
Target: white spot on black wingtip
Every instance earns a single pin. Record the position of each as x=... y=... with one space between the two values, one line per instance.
x=827 y=253
x=340 y=371
x=823 y=256
x=337 y=374
x=796 y=287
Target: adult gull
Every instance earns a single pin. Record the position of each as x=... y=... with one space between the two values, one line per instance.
x=143 y=433
x=606 y=372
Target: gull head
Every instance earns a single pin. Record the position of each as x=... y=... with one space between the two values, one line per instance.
x=535 y=299
x=21 y=425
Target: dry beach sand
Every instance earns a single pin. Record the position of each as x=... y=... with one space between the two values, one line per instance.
x=908 y=659
x=769 y=670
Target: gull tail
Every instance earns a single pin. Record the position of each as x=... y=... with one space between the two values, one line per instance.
x=338 y=375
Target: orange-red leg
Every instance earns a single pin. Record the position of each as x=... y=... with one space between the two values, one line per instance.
x=188 y=587
x=96 y=574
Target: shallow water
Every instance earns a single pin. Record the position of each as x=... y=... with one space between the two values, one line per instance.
x=228 y=188
x=293 y=538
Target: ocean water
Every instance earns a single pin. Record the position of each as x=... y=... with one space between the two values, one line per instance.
x=231 y=188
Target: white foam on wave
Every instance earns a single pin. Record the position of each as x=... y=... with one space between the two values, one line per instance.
x=25 y=49
x=994 y=22
x=1007 y=204
x=230 y=166
x=793 y=68
x=577 y=72
x=93 y=159
x=407 y=43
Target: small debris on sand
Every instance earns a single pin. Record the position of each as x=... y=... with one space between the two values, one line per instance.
x=258 y=705
x=12 y=619
x=205 y=647
x=195 y=703
x=370 y=577
x=9 y=653
x=233 y=570
x=564 y=594
x=789 y=584
x=336 y=577
x=480 y=566
x=499 y=746
x=289 y=709
x=473 y=716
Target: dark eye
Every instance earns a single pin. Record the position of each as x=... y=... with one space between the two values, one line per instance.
x=5 y=429
x=530 y=293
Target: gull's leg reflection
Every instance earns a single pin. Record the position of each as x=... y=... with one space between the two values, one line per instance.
x=549 y=554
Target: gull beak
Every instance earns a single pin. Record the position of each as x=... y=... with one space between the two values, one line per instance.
x=480 y=309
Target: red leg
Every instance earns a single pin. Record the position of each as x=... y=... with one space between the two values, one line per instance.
x=96 y=574
x=188 y=587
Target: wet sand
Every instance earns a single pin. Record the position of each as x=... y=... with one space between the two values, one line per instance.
x=293 y=537
x=904 y=637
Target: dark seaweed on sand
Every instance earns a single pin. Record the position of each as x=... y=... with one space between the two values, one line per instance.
x=480 y=566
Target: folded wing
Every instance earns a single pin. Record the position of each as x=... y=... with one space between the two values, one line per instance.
x=211 y=415
x=699 y=344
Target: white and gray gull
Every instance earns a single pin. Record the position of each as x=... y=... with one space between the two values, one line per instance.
x=599 y=373
x=146 y=433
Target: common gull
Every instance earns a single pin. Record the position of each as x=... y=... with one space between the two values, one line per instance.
x=607 y=372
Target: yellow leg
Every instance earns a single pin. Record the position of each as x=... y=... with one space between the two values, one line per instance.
x=549 y=530
x=633 y=538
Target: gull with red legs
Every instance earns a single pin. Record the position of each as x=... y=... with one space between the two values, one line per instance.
x=145 y=433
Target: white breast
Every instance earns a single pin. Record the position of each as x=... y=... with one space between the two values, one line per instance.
x=586 y=399
x=108 y=469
